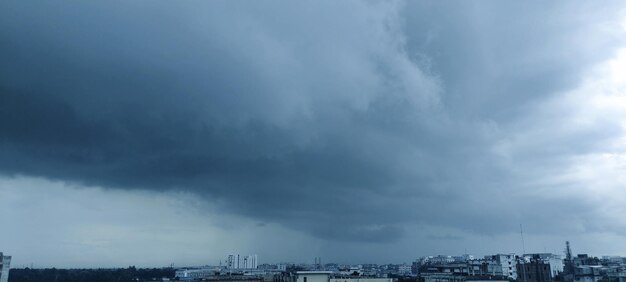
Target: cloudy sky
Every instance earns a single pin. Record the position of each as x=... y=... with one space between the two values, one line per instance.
x=154 y=132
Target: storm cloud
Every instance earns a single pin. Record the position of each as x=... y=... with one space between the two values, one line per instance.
x=344 y=120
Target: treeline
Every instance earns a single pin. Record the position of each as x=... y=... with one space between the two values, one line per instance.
x=90 y=275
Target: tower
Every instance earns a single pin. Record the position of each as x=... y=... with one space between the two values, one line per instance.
x=569 y=263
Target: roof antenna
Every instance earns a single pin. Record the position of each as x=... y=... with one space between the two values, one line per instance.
x=521 y=231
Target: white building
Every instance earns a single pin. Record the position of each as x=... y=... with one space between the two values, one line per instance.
x=194 y=273
x=440 y=259
x=241 y=262
x=325 y=276
x=505 y=264
x=313 y=276
x=5 y=263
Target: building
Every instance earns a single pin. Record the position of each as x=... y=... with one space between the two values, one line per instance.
x=281 y=267
x=502 y=264
x=351 y=270
x=328 y=276
x=404 y=269
x=555 y=262
x=313 y=276
x=534 y=270
x=440 y=259
x=616 y=273
x=588 y=273
x=195 y=273
x=613 y=260
x=360 y=279
x=444 y=272
x=241 y=262
x=5 y=263
x=484 y=267
x=215 y=274
x=584 y=259
x=442 y=277
x=487 y=278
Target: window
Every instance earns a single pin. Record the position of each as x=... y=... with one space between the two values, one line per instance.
x=304 y=278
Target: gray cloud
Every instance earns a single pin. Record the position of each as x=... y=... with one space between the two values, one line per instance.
x=344 y=120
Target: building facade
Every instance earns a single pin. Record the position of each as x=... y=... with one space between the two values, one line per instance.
x=534 y=270
x=503 y=264
x=5 y=263
x=313 y=276
x=555 y=262
x=241 y=262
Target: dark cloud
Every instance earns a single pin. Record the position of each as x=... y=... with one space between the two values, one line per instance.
x=445 y=237
x=344 y=120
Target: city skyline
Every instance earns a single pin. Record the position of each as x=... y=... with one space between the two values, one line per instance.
x=531 y=267
x=235 y=262
x=151 y=132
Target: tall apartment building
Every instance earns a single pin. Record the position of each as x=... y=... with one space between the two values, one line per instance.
x=241 y=262
x=5 y=262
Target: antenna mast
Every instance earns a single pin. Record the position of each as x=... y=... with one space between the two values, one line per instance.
x=521 y=232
